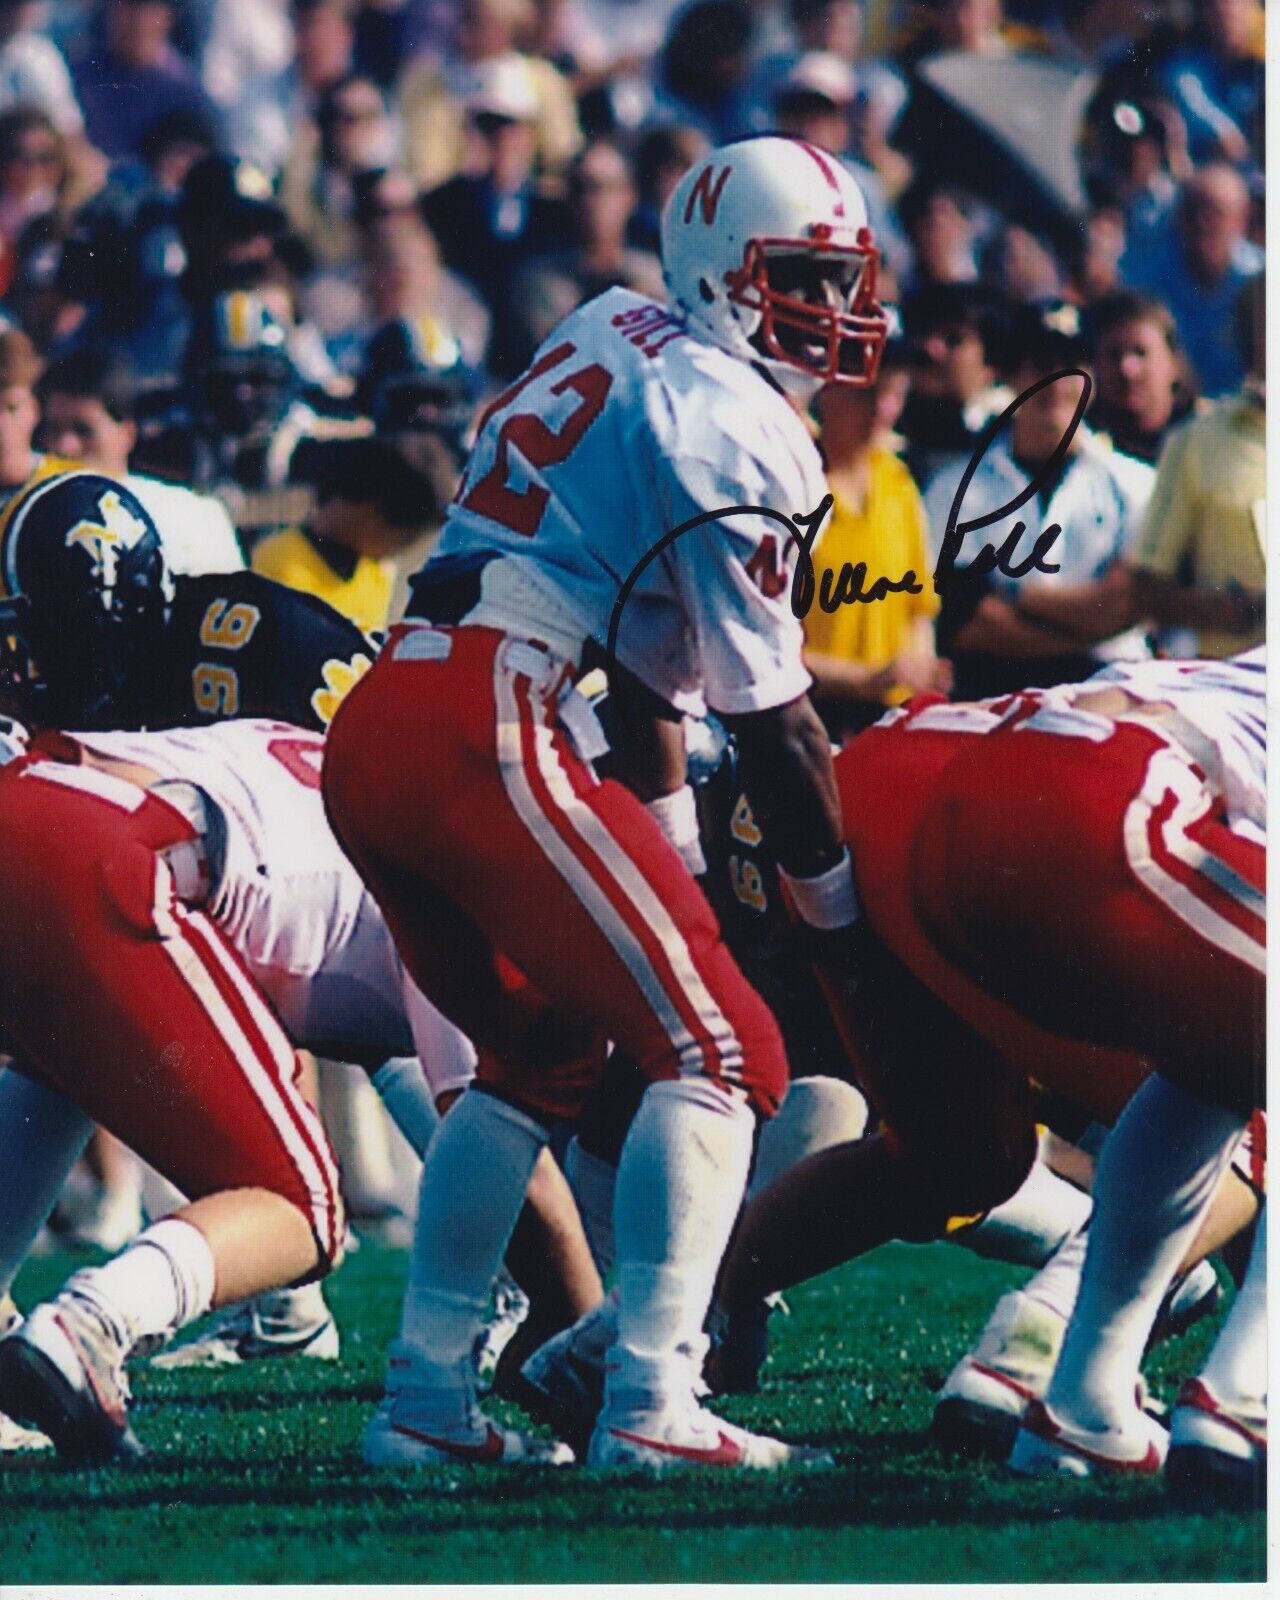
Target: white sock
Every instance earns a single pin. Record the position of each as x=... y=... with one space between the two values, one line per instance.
x=162 y=1282
x=592 y=1181
x=474 y=1179
x=817 y=1113
x=1156 y=1177
x=1237 y=1365
x=1057 y=1284
x=1032 y=1223
x=402 y=1088
x=43 y=1134
x=681 y=1180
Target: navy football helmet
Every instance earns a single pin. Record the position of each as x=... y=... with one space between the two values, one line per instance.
x=87 y=597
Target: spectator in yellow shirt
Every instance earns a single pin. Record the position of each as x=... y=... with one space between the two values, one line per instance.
x=373 y=497
x=1201 y=562
x=867 y=656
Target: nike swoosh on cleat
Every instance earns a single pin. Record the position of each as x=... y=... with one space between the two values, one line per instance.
x=725 y=1454
x=1196 y=1397
x=254 y=1346
x=491 y=1450
x=1039 y=1422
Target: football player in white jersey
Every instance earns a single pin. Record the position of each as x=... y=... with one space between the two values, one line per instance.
x=269 y=926
x=638 y=487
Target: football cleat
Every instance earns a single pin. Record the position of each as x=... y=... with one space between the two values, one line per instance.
x=285 y=1322
x=1047 y=1443
x=63 y=1372
x=510 y=1308
x=981 y=1405
x=1217 y=1449
x=1194 y=1295
x=680 y=1439
x=739 y=1348
x=421 y=1423
x=562 y=1382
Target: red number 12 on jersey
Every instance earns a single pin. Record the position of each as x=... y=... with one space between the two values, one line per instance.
x=492 y=496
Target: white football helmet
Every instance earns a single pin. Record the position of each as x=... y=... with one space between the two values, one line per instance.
x=766 y=248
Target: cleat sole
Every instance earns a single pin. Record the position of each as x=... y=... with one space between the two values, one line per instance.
x=35 y=1392
x=965 y=1428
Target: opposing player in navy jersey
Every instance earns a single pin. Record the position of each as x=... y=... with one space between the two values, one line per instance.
x=98 y=632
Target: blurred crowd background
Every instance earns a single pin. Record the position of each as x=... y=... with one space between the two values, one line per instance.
x=269 y=259
x=278 y=252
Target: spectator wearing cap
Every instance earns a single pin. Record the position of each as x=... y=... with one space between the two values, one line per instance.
x=488 y=225
x=957 y=335
x=816 y=101
x=1006 y=633
x=1198 y=267
x=373 y=497
x=1139 y=157
x=87 y=415
x=133 y=74
x=1216 y=82
x=1144 y=386
x=602 y=196
x=865 y=658
x=872 y=96
x=437 y=103
x=1201 y=562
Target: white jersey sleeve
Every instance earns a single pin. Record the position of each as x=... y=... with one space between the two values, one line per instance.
x=197 y=531
x=1225 y=702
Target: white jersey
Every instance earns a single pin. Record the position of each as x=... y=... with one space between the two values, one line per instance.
x=626 y=427
x=195 y=529
x=290 y=903
x=1225 y=702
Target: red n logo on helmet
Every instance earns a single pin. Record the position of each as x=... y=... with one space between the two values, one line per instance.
x=706 y=191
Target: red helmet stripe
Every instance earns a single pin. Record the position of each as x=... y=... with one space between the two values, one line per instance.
x=827 y=170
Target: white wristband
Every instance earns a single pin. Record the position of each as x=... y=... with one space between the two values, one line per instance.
x=677 y=815
x=829 y=900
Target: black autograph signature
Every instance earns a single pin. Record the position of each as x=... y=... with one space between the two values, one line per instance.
x=849 y=587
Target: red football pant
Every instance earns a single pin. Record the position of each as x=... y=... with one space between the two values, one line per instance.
x=483 y=836
x=1080 y=904
x=1098 y=888
x=137 y=1008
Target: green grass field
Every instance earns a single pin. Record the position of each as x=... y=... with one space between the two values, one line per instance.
x=255 y=1475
